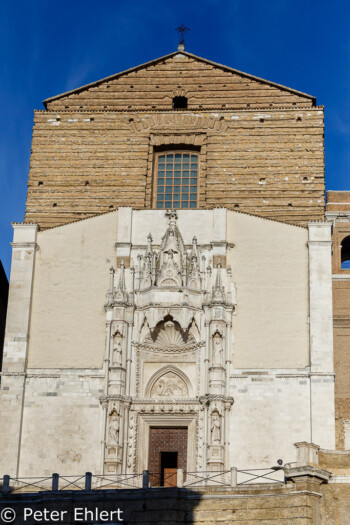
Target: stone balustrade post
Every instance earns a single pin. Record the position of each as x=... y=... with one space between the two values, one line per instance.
x=6 y=484
x=55 y=482
x=88 y=480
x=233 y=476
x=180 y=478
x=145 y=479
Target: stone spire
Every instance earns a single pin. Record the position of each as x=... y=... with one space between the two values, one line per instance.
x=218 y=291
x=194 y=277
x=121 y=293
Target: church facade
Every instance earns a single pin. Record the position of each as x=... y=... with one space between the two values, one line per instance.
x=171 y=287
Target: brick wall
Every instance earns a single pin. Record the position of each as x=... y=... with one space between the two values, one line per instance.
x=261 y=147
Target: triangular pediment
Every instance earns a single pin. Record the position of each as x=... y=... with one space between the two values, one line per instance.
x=153 y=85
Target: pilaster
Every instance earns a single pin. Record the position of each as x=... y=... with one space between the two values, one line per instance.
x=321 y=334
x=16 y=342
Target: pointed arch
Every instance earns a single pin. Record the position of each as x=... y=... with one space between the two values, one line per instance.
x=170 y=370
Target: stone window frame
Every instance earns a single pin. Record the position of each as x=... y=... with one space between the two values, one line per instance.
x=339 y=235
x=176 y=151
x=146 y=421
x=194 y=139
x=342 y=253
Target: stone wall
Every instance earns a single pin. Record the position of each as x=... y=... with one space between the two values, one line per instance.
x=338 y=211
x=51 y=399
x=154 y=84
x=259 y=505
x=261 y=146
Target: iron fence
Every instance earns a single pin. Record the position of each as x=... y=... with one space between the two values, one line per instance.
x=146 y=480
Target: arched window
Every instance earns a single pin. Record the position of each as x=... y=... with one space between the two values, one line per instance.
x=345 y=253
x=177 y=179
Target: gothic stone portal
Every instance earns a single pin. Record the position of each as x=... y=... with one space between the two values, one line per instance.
x=167 y=453
x=169 y=353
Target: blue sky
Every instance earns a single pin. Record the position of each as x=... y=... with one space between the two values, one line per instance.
x=49 y=46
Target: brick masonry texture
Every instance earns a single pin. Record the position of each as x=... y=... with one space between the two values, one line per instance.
x=261 y=146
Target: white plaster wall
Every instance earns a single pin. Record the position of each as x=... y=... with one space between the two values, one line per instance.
x=61 y=425
x=70 y=283
x=270 y=268
x=269 y=415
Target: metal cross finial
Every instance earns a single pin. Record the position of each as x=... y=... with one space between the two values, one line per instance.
x=182 y=29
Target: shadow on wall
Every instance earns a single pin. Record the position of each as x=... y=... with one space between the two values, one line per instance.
x=4 y=290
x=161 y=506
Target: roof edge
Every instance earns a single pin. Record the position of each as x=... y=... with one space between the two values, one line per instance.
x=253 y=77
x=110 y=77
x=165 y=57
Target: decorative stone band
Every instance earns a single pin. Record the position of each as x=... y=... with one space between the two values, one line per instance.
x=13 y=374
x=170 y=401
x=166 y=122
x=182 y=349
x=25 y=245
x=158 y=403
x=115 y=397
x=195 y=139
x=310 y=374
x=284 y=375
x=216 y=397
x=43 y=376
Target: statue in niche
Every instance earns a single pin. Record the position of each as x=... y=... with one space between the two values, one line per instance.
x=145 y=330
x=171 y=245
x=193 y=331
x=117 y=349
x=215 y=428
x=113 y=428
x=217 y=349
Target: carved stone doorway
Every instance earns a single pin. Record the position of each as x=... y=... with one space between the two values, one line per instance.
x=167 y=453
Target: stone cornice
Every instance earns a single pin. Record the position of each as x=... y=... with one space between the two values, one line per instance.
x=159 y=401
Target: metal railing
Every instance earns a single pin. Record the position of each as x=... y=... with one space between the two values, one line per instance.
x=258 y=475
x=208 y=479
x=146 y=480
